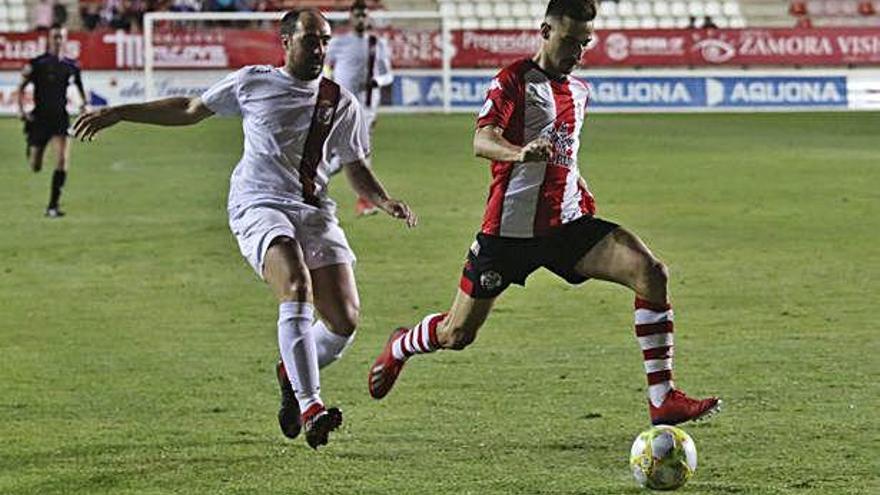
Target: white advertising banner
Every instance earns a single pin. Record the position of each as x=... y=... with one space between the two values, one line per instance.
x=613 y=91
x=115 y=87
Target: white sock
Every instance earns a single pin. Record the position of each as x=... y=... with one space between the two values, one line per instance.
x=330 y=345
x=420 y=339
x=297 y=344
x=655 y=333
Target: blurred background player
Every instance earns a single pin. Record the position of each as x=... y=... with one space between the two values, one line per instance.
x=360 y=61
x=540 y=214
x=278 y=207
x=50 y=73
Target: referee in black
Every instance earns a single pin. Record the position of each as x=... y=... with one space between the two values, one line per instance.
x=50 y=73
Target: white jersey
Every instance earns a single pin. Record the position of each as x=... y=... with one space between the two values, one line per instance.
x=276 y=110
x=349 y=55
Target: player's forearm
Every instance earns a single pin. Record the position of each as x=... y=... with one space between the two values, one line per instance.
x=492 y=145
x=168 y=112
x=365 y=183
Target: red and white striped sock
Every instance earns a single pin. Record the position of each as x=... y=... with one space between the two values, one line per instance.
x=654 y=330
x=420 y=339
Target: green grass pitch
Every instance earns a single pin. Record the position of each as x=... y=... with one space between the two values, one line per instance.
x=137 y=347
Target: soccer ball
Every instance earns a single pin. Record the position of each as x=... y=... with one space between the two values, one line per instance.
x=663 y=458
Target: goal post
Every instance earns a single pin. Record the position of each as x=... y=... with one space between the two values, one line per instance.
x=154 y=19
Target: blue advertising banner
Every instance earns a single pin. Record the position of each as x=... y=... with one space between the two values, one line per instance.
x=650 y=92
x=427 y=91
x=776 y=92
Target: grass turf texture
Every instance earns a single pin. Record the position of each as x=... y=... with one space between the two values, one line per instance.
x=137 y=348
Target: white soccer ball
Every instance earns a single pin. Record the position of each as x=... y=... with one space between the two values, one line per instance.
x=663 y=458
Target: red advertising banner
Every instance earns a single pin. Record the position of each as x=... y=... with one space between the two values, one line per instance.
x=679 y=47
x=232 y=48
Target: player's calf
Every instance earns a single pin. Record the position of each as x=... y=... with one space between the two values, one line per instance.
x=35 y=158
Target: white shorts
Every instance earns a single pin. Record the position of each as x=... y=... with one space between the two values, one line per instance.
x=317 y=231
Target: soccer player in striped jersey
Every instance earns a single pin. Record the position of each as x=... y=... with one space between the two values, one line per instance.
x=540 y=213
x=360 y=61
x=278 y=207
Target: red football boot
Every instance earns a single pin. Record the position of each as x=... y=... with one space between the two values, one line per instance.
x=319 y=422
x=386 y=368
x=679 y=408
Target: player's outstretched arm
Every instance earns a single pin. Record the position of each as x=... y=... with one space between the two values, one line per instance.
x=367 y=185
x=166 y=112
x=489 y=143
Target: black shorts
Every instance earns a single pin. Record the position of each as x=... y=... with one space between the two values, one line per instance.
x=41 y=128
x=493 y=262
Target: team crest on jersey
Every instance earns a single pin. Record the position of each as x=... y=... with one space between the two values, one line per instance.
x=563 y=145
x=325 y=111
x=490 y=280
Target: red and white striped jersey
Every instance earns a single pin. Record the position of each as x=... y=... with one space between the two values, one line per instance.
x=531 y=199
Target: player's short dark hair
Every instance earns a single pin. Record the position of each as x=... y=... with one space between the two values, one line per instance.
x=358 y=5
x=579 y=10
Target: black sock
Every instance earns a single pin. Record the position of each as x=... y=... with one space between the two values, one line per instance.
x=58 y=179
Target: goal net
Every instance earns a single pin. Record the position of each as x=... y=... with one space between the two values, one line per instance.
x=185 y=52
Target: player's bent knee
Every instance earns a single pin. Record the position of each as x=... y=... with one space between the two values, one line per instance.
x=653 y=278
x=659 y=273
x=346 y=322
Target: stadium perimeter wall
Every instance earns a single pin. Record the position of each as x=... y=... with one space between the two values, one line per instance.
x=729 y=70
x=612 y=90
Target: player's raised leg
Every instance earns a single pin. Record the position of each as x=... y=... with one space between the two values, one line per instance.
x=35 y=157
x=59 y=176
x=286 y=273
x=623 y=258
x=453 y=330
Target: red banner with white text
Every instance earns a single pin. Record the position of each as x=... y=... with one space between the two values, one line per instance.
x=679 y=47
x=231 y=48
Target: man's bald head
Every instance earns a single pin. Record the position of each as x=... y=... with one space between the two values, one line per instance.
x=295 y=21
x=305 y=35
